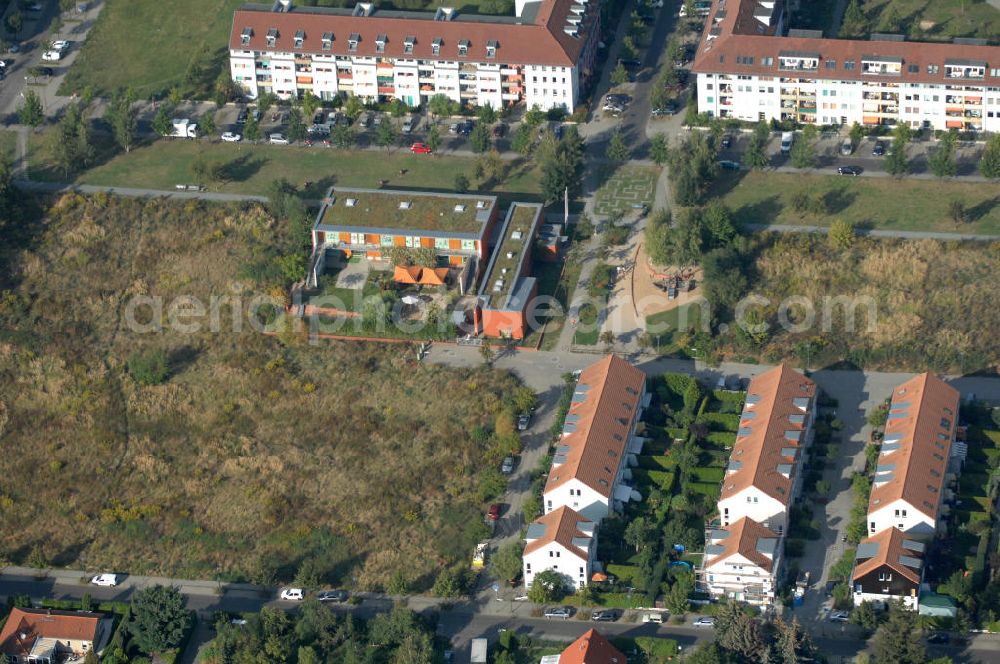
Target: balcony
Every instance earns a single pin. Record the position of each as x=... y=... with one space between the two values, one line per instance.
x=386 y=90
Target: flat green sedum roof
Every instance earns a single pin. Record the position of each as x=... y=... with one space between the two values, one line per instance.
x=379 y=210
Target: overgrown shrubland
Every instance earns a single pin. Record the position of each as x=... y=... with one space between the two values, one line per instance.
x=247 y=456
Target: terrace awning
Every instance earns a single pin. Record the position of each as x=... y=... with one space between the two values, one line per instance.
x=433 y=276
x=406 y=275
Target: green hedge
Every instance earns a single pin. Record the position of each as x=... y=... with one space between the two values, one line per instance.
x=710 y=489
x=708 y=474
x=993 y=437
x=725 y=396
x=664 y=479
x=656 y=462
x=721 y=421
x=657 y=651
x=721 y=438
x=630 y=574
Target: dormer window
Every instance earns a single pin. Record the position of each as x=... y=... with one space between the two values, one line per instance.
x=380 y=43
x=352 y=42
x=408 y=44
x=436 y=46
x=272 y=37
x=327 y=41
x=463 y=48
x=300 y=37
x=246 y=35
x=491 y=48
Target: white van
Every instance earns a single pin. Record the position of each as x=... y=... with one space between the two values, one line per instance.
x=787 y=138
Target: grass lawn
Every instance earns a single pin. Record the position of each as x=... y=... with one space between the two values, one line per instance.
x=252 y=168
x=625 y=187
x=8 y=144
x=153 y=46
x=884 y=203
x=668 y=328
x=941 y=19
x=249 y=456
x=589 y=331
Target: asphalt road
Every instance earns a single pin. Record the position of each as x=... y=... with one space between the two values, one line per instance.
x=459 y=622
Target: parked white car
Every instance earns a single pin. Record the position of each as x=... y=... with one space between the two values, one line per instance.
x=704 y=621
x=230 y=137
x=105 y=580
x=277 y=139
x=293 y=594
x=51 y=56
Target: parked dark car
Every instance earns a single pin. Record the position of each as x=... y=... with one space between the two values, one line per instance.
x=499 y=130
x=849 y=170
x=606 y=615
x=879 y=149
x=669 y=109
x=629 y=63
x=938 y=638
x=726 y=142
x=465 y=128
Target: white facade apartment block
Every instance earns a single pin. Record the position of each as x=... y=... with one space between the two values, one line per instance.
x=581 y=498
x=752 y=503
x=902 y=515
x=411 y=56
x=731 y=578
x=562 y=541
x=749 y=67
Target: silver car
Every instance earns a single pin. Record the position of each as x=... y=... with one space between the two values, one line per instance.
x=563 y=612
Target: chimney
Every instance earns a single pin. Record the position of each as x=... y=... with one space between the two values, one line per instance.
x=281 y=6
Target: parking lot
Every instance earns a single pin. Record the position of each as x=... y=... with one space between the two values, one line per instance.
x=829 y=157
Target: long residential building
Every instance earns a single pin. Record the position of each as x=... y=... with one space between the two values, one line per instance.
x=912 y=471
x=543 y=55
x=750 y=67
x=590 y=466
x=764 y=474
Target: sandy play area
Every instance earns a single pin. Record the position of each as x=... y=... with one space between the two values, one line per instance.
x=647 y=298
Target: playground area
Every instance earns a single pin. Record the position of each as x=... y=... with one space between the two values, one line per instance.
x=656 y=289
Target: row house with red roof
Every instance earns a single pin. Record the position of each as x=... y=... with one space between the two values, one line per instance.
x=762 y=481
x=751 y=67
x=590 y=475
x=542 y=56
x=917 y=462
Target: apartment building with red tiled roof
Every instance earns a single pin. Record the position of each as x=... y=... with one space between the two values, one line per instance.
x=889 y=566
x=562 y=541
x=750 y=66
x=589 y=467
x=763 y=475
x=742 y=562
x=912 y=470
x=542 y=56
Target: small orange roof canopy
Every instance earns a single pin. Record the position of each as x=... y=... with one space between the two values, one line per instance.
x=433 y=276
x=406 y=275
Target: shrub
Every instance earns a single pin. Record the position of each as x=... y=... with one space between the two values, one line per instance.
x=657 y=650
x=148 y=368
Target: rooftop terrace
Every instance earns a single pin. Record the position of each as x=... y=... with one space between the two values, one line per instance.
x=410 y=212
x=518 y=234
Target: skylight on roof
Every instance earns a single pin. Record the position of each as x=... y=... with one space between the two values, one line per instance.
x=351 y=202
x=405 y=205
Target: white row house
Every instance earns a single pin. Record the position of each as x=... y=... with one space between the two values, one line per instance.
x=749 y=69
x=913 y=464
x=542 y=56
x=742 y=562
x=562 y=541
x=763 y=479
x=590 y=466
x=764 y=475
